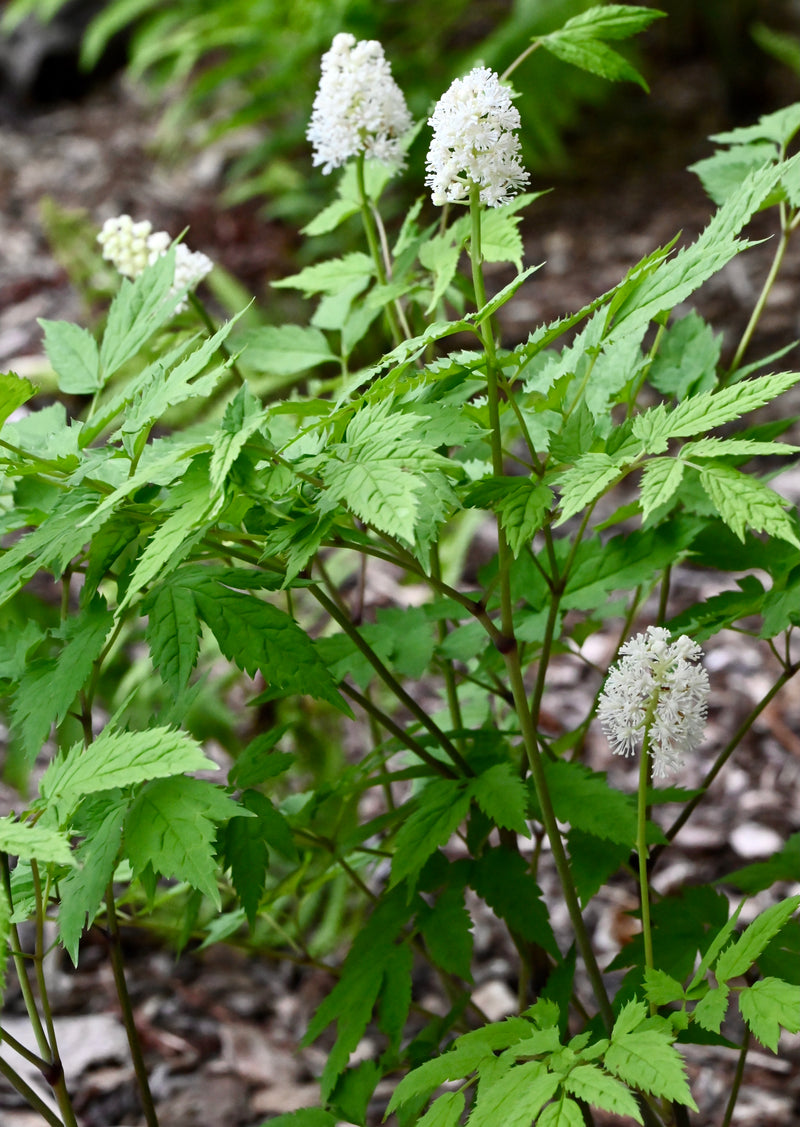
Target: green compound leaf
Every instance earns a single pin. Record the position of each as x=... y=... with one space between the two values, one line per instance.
x=34 y=843
x=74 y=354
x=120 y=759
x=444 y=1112
x=563 y=1113
x=14 y=391
x=593 y=56
x=285 y=350
x=447 y=931
x=523 y=510
x=516 y=1098
x=660 y=481
x=243 y=416
x=502 y=878
x=687 y=358
x=584 y=482
x=173 y=634
x=48 y=687
x=81 y=892
x=501 y=795
x=590 y=1083
x=661 y=988
x=641 y=1054
x=331 y=276
x=441 y=808
x=743 y=502
x=740 y=956
x=381 y=491
x=769 y=1004
x=611 y=21
x=139 y=309
x=708 y=410
x=709 y=1013
x=171 y=827
x=255 y=635
x=584 y=799
x=305 y=1117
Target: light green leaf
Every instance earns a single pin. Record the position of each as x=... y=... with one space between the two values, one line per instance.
x=515 y=1098
x=440 y=256
x=563 y=1113
x=444 y=1112
x=285 y=350
x=656 y=291
x=140 y=308
x=74 y=354
x=48 y=687
x=743 y=502
x=34 y=843
x=14 y=391
x=769 y=1004
x=590 y=1083
x=458 y=1062
x=171 y=827
x=611 y=21
x=523 y=509
x=243 y=416
x=714 y=948
x=710 y=409
x=170 y=543
x=81 y=892
x=584 y=482
x=734 y=447
x=593 y=56
x=305 y=1117
x=740 y=956
x=661 y=988
x=331 y=276
x=120 y=759
x=380 y=491
x=687 y=358
x=645 y=1059
x=501 y=795
x=709 y=1013
x=440 y=809
x=661 y=478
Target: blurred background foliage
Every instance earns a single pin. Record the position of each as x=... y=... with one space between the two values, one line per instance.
x=251 y=67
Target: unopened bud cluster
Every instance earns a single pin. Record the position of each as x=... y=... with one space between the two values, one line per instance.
x=133 y=246
x=656 y=686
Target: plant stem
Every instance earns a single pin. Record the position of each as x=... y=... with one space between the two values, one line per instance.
x=372 y=240
x=737 y=1081
x=201 y=311
x=29 y=1095
x=554 y=837
x=456 y=718
x=117 y=963
x=641 y=850
x=55 y=1071
x=391 y=681
x=413 y=745
x=758 y=309
x=22 y=971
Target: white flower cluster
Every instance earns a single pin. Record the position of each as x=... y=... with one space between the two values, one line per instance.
x=359 y=108
x=474 y=143
x=656 y=682
x=133 y=246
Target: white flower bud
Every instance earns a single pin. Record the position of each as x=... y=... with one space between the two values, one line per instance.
x=474 y=143
x=133 y=246
x=656 y=682
x=358 y=108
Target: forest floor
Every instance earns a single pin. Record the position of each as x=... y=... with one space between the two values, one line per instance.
x=221 y=1028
